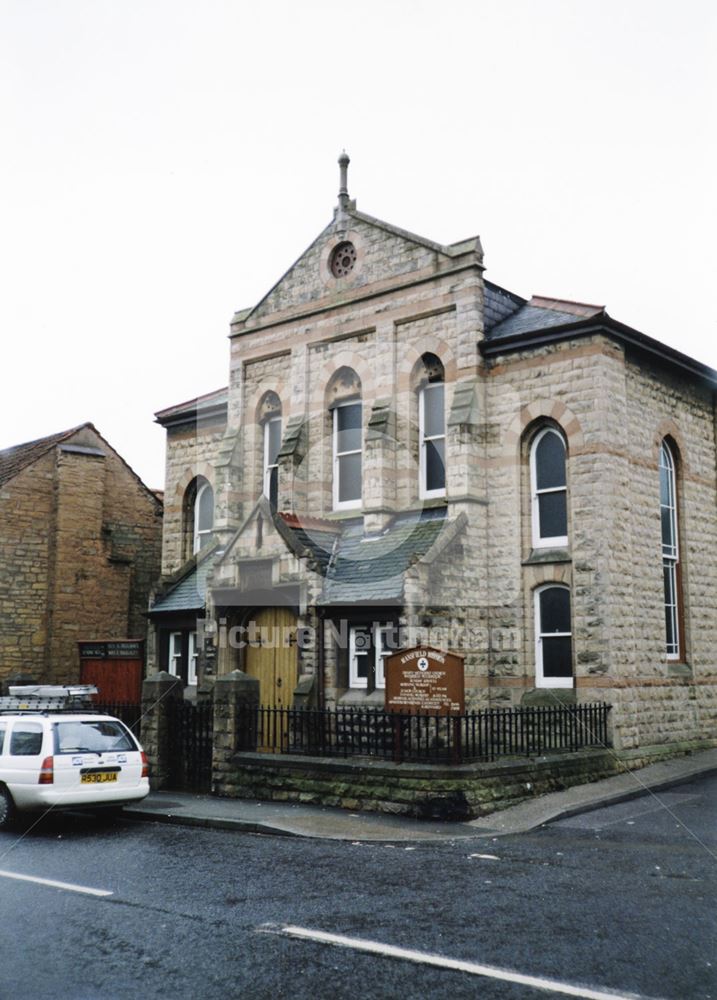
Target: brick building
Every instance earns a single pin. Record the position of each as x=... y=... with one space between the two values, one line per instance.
x=80 y=545
x=409 y=453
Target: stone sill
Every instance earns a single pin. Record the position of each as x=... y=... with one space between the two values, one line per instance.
x=677 y=669
x=539 y=556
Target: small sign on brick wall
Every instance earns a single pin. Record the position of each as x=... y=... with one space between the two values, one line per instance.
x=121 y=649
x=425 y=681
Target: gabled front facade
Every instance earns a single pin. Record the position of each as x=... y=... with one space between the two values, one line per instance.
x=407 y=453
x=80 y=545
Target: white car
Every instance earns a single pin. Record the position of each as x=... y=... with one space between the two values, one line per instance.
x=67 y=760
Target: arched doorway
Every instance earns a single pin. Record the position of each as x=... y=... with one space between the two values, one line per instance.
x=271 y=657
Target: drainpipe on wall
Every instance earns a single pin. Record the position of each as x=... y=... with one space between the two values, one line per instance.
x=322 y=698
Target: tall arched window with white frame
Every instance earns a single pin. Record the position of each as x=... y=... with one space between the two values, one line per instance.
x=670 y=552
x=553 y=637
x=269 y=420
x=272 y=444
x=431 y=429
x=203 y=516
x=348 y=446
x=549 y=489
x=345 y=410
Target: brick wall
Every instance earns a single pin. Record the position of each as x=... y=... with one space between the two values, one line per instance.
x=80 y=543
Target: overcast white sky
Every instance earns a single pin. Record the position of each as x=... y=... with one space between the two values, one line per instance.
x=165 y=161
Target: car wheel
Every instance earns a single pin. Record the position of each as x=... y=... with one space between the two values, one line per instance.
x=7 y=808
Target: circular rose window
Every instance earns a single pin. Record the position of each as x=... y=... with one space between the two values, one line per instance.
x=343 y=260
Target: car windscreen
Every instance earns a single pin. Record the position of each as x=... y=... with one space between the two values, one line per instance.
x=91 y=736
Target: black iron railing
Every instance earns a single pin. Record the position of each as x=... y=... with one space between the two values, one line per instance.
x=475 y=736
x=191 y=735
x=130 y=714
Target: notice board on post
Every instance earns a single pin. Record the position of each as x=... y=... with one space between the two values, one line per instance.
x=116 y=668
x=425 y=681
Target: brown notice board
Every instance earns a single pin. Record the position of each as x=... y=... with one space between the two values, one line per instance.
x=425 y=681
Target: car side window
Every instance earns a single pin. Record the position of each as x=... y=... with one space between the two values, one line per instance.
x=2 y=736
x=26 y=739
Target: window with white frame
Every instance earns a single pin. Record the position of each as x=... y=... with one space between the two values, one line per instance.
x=203 y=516
x=548 y=478
x=347 y=447
x=670 y=551
x=174 y=658
x=432 y=440
x=369 y=645
x=192 y=658
x=182 y=655
x=272 y=444
x=553 y=637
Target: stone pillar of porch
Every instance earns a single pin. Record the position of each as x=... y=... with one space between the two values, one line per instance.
x=236 y=698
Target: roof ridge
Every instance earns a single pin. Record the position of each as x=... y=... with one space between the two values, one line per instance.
x=28 y=452
x=579 y=308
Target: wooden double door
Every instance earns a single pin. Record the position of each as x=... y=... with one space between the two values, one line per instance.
x=272 y=656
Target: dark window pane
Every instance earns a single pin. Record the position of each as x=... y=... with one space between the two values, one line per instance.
x=361 y=665
x=555 y=610
x=433 y=420
x=668 y=532
x=273 y=432
x=349 y=471
x=670 y=584
x=435 y=465
x=665 y=487
x=205 y=517
x=550 y=462
x=26 y=740
x=553 y=514
x=362 y=639
x=348 y=427
x=273 y=488
x=557 y=657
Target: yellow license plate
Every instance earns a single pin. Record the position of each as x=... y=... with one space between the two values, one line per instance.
x=94 y=779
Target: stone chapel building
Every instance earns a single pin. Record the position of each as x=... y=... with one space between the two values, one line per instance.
x=408 y=453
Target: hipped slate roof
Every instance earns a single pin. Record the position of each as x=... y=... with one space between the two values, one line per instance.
x=14 y=460
x=189 y=594
x=507 y=315
x=365 y=570
x=211 y=404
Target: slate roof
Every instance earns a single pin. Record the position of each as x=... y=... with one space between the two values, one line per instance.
x=14 y=460
x=498 y=304
x=365 y=570
x=310 y=535
x=542 y=313
x=189 y=594
x=528 y=319
x=208 y=405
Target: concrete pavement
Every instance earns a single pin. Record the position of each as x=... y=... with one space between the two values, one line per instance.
x=301 y=820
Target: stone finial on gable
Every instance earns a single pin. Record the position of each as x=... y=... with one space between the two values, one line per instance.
x=341 y=213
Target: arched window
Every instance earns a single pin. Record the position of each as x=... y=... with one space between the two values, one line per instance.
x=270 y=419
x=549 y=490
x=431 y=429
x=347 y=438
x=670 y=552
x=553 y=637
x=200 y=513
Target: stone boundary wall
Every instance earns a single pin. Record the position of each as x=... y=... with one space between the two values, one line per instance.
x=425 y=791
x=419 y=790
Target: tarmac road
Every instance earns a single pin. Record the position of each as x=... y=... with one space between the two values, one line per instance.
x=614 y=902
